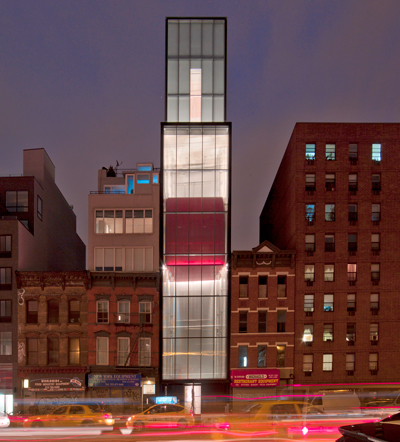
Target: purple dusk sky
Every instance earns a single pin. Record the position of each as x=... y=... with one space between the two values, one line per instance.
x=85 y=80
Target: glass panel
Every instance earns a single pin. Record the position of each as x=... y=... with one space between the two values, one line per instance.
x=181 y=358
x=172 y=76
x=108 y=260
x=138 y=259
x=194 y=358
x=172 y=39
x=184 y=77
x=219 y=76
x=206 y=109
x=219 y=39
x=170 y=150
x=195 y=39
x=219 y=114
x=184 y=38
x=207 y=39
x=184 y=108
x=207 y=77
x=172 y=109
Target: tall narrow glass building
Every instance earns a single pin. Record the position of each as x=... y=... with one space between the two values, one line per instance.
x=196 y=183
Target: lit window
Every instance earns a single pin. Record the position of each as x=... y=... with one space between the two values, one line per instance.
x=373 y=361
x=5 y=246
x=327 y=362
x=376 y=212
x=144 y=168
x=281 y=355
x=17 y=200
x=327 y=335
x=242 y=322
x=74 y=351
x=328 y=302
x=262 y=286
x=102 y=312
x=126 y=259
x=145 y=312
x=310 y=243
x=375 y=242
x=373 y=332
x=329 y=212
x=351 y=332
x=308 y=363
x=308 y=303
x=123 y=311
x=350 y=361
x=310 y=151
x=352 y=272
x=310 y=213
x=351 y=302
x=374 y=301
x=5 y=278
x=375 y=272
x=123 y=350
x=329 y=272
x=309 y=272
x=5 y=343
x=155 y=178
x=242 y=356
x=109 y=221
x=308 y=333
x=144 y=351
x=330 y=152
x=195 y=95
x=376 y=152
x=130 y=184
x=310 y=182
x=262 y=356
x=262 y=322
x=53 y=345
x=243 y=286
x=102 y=350
x=142 y=221
x=143 y=178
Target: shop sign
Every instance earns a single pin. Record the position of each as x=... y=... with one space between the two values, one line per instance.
x=114 y=380
x=255 y=377
x=65 y=382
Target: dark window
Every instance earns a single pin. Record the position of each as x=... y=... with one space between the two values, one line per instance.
x=32 y=344
x=330 y=181
x=52 y=311
x=262 y=286
x=375 y=272
x=375 y=242
x=32 y=312
x=281 y=324
x=262 y=322
x=281 y=286
x=351 y=332
x=74 y=312
x=40 y=208
x=376 y=212
x=52 y=350
x=329 y=243
x=352 y=242
x=5 y=311
x=145 y=312
x=353 y=185
x=5 y=246
x=352 y=212
x=374 y=302
x=243 y=286
x=242 y=322
x=310 y=243
x=353 y=152
x=351 y=302
x=376 y=181
x=310 y=182
x=17 y=200
x=5 y=278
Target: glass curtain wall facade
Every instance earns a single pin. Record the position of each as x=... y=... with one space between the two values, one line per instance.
x=196 y=202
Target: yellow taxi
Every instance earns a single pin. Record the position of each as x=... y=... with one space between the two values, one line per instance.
x=161 y=416
x=71 y=415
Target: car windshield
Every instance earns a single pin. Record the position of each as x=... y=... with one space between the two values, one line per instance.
x=61 y=410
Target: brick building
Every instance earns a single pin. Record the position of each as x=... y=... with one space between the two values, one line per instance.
x=262 y=318
x=335 y=200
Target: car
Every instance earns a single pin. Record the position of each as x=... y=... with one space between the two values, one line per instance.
x=161 y=416
x=4 y=420
x=71 y=415
x=16 y=418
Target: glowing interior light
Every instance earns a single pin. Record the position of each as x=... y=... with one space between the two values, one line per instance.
x=304 y=431
x=195 y=94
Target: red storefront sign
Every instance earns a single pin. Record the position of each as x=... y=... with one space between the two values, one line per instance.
x=268 y=377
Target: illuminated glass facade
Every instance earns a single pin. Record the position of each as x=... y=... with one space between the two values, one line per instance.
x=196 y=202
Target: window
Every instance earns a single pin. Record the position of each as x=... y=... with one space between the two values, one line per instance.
x=310 y=243
x=195 y=94
x=351 y=302
x=329 y=272
x=123 y=311
x=352 y=242
x=262 y=286
x=114 y=189
x=32 y=353
x=143 y=178
x=242 y=322
x=376 y=212
x=308 y=303
x=243 y=286
x=309 y=272
x=5 y=343
x=32 y=312
x=109 y=221
x=142 y=221
x=376 y=152
x=5 y=311
x=5 y=278
x=74 y=311
x=308 y=333
x=310 y=182
x=155 y=178
x=353 y=152
x=281 y=286
x=74 y=351
x=327 y=335
x=308 y=363
x=127 y=259
x=375 y=242
x=144 y=351
x=353 y=184
x=102 y=312
x=52 y=311
x=52 y=350
x=262 y=356
x=242 y=356
x=351 y=333
x=130 y=184
x=352 y=272
x=310 y=151
x=5 y=246
x=329 y=242
x=373 y=332
x=350 y=360
x=39 y=208
x=123 y=350
x=328 y=302
x=329 y=212
x=374 y=301
x=373 y=361
x=375 y=273
x=102 y=350
x=330 y=181
x=145 y=312
x=281 y=324
x=327 y=362
x=262 y=322
x=352 y=212
x=17 y=200
x=144 y=168
x=310 y=213
x=281 y=355
x=376 y=182
x=330 y=152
